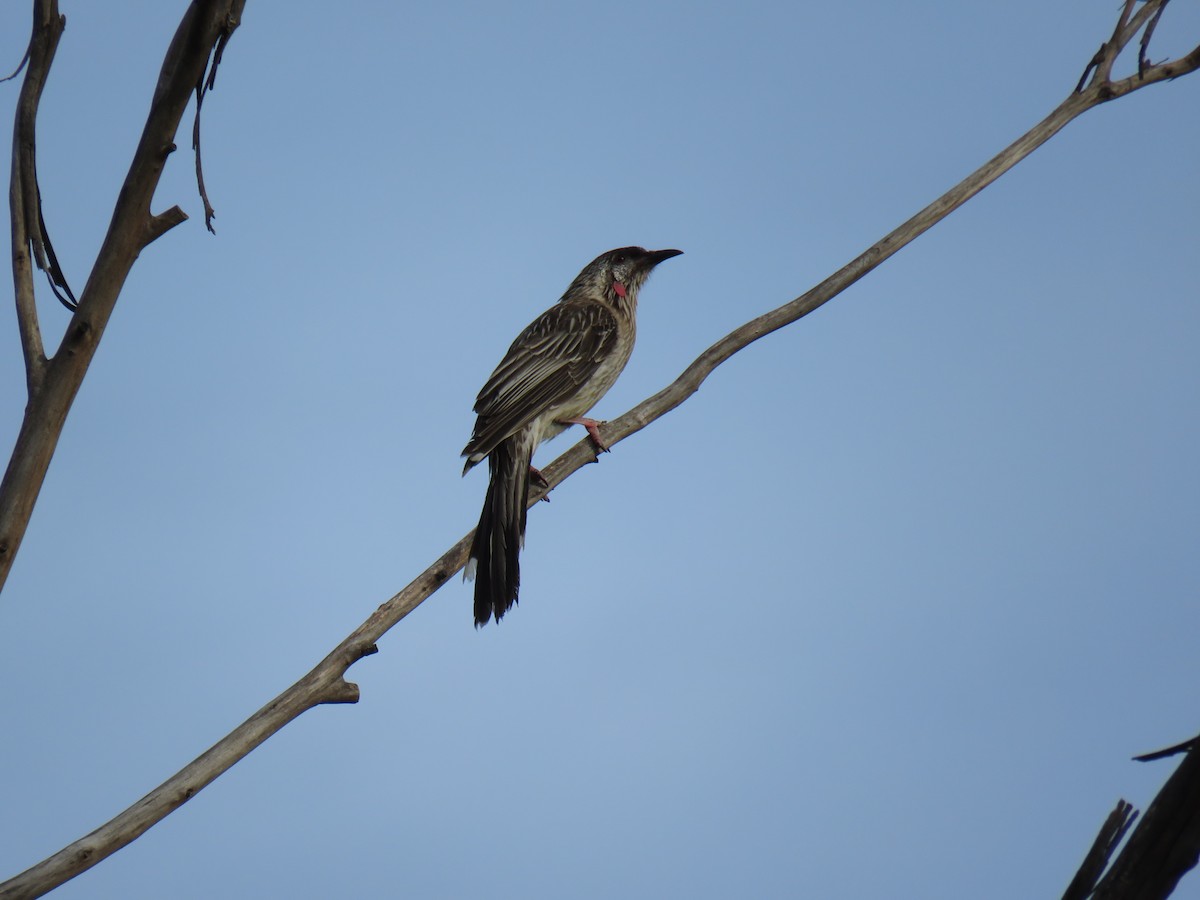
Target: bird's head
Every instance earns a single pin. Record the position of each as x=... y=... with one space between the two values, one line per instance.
x=618 y=275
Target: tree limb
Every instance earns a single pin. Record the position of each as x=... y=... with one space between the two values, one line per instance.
x=54 y=383
x=1166 y=843
x=326 y=682
x=1110 y=836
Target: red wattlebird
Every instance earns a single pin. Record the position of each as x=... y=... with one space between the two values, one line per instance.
x=554 y=372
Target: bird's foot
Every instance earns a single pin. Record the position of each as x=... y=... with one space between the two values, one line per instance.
x=591 y=425
x=536 y=476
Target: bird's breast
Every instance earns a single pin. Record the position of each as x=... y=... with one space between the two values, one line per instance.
x=603 y=378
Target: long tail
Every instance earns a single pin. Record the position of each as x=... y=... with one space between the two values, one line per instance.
x=495 y=552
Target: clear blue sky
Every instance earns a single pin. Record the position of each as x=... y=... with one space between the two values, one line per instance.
x=883 y=611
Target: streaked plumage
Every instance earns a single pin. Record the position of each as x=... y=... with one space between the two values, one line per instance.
x=555 y=371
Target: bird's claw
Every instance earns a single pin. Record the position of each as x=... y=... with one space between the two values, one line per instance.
x=593 y=431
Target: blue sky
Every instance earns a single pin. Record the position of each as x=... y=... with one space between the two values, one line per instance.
x=882 y=611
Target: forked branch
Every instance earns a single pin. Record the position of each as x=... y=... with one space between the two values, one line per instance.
x=53 y=383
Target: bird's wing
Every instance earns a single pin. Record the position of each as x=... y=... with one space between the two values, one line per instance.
x=546 y=365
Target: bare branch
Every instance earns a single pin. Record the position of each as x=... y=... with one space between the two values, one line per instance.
x=326 y=682
x=205 y=25
x=1111 y=834
x=161 y=224
x=1135 y=23
x=1127 y=26
x=48 y=262
x=1165 y=845
x=1106 y=52
x=1165 y=71
x=1169 y=751
x=209 y=212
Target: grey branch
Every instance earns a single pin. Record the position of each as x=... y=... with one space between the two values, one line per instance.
x=326 y=682
x=20 y=66
x=53 y=383
x=1181 y=747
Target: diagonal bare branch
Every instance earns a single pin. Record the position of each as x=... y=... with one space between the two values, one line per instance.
x=326 y=682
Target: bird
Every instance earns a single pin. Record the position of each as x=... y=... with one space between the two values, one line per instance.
x=554 y=372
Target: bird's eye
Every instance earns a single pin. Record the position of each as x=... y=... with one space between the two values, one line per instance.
x=620 y=259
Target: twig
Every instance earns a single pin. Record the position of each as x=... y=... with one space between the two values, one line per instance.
x=1144 y=44
x=326 y=682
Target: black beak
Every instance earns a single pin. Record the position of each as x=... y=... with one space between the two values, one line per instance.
x=654 y=257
